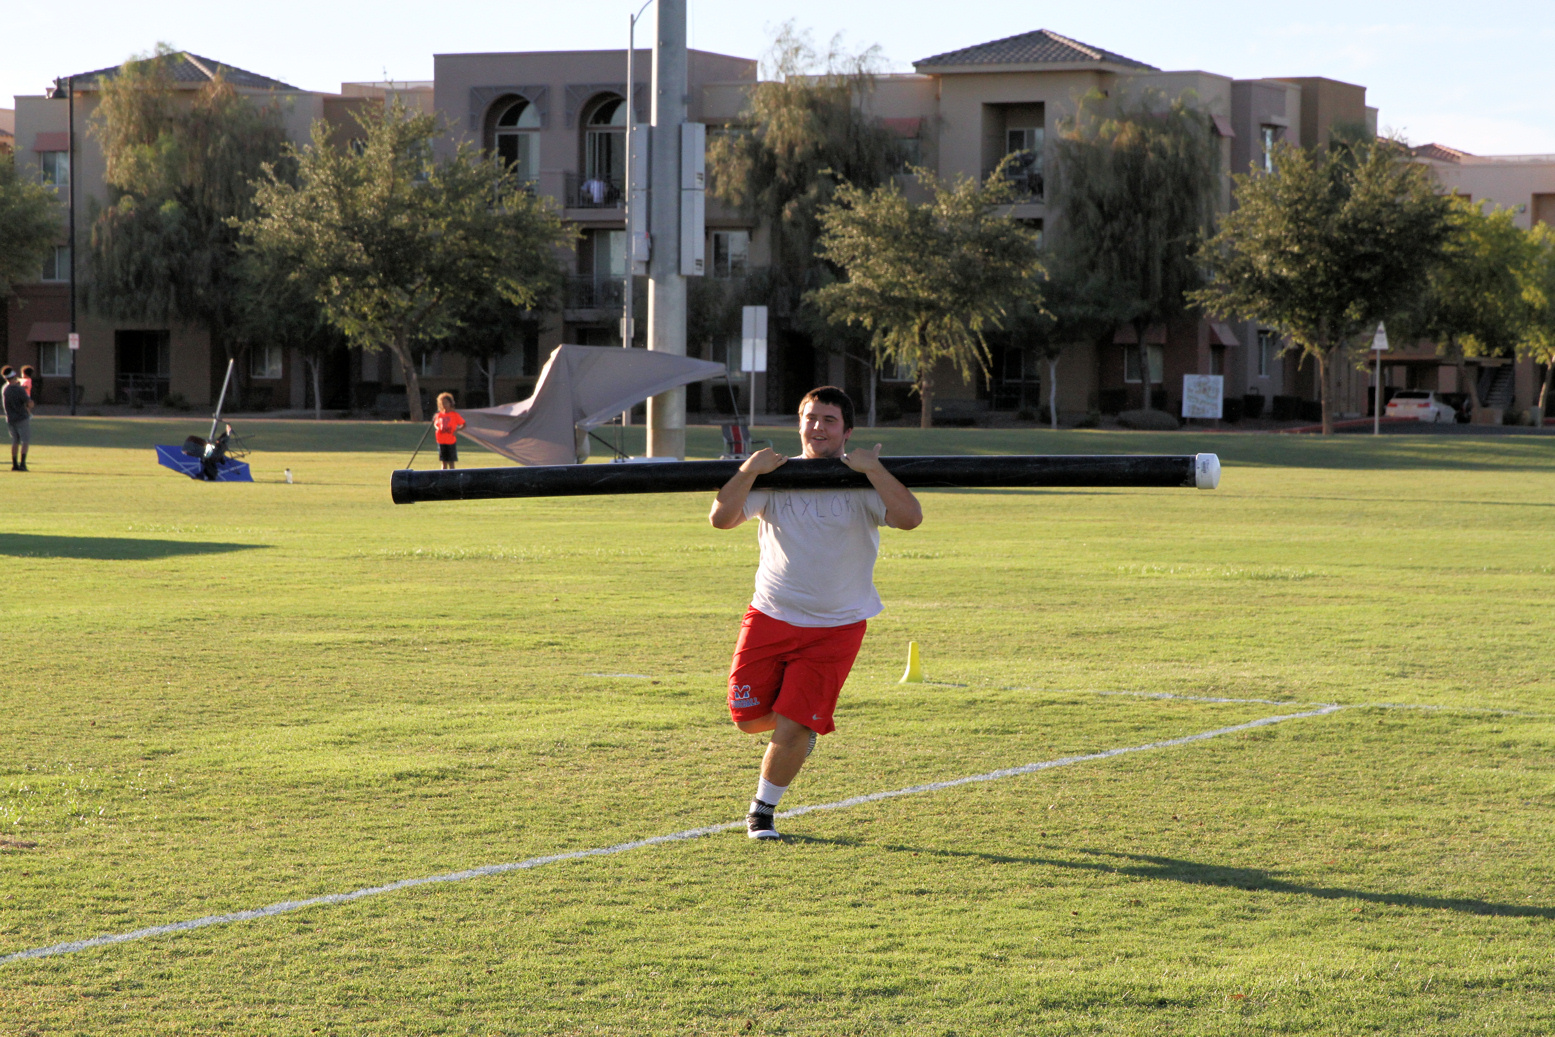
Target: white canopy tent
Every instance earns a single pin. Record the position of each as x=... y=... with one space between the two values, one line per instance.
x=580 y=388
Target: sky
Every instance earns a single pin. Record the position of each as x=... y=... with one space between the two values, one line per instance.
x=1474 y=76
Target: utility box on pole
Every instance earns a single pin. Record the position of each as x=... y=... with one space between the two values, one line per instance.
x=693 y=199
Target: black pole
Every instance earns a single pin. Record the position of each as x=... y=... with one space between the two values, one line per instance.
x=1190 y=470
x=70 y=160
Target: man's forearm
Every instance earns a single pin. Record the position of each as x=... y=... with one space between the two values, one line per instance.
x=902 y=509
x=729 y=506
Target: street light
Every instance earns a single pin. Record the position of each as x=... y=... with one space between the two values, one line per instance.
x=69 y=92
x=628 y=323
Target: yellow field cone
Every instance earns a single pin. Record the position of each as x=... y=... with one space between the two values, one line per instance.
x=914 y=674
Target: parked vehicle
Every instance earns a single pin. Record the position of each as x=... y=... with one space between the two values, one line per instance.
x=1420 y=405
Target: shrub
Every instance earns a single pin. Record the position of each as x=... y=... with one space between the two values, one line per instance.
x=1148 y=420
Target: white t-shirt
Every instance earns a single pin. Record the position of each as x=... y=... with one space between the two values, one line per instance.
x=818 y=550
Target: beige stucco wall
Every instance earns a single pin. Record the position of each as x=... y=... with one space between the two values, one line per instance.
x=1512 y=181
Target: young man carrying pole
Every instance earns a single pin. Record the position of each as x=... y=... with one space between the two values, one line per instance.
x=814 y=592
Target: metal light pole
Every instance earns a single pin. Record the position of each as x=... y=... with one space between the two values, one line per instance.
x=70 y=204
x=666 y=285
x=628 y=303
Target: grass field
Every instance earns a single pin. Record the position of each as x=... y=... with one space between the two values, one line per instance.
x=219 y=697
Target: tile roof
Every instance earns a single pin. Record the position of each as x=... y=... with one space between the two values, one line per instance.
x=191 y=68
x=1440 y=152
x=1042 y=47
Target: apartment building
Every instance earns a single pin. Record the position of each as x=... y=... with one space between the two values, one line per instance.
x=1526 y=185
x=129 y=361
x=559 y=119
x=965 y=110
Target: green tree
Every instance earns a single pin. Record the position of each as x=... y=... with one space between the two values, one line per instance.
x=1474 y=303
x=805 y=132
x=30 y=226
x=1134 y=193
x=927 y=280
x=1326 y=246
x=181 y=167
x=274 y=307
x=1067 y=317
x=1537 y=342
x=398 y=247
x=491 y=329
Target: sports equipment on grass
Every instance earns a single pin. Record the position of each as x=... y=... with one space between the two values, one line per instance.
x=1190 y=470
x=914 y=671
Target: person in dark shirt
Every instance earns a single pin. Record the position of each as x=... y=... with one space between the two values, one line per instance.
x=18 y=417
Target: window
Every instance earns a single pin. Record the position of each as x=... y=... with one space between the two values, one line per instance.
x=896 y=371
x=1217 y=360
x=264 y=362
x=726 y=351
x=1268 y=136
x=909 y=152
x=608 y=254
x=604 y=142
x=429 y=364
x=1131 y=363
x=517 y=140
x=1025 y=171
x=56 y=265
x=1268 y=350
x=731 y=253
x=56 y=169
x=54 y=359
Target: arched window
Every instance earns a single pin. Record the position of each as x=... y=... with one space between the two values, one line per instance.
x=604 y=141
x=516 y=138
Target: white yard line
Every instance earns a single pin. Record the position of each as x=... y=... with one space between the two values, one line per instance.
x=1290 y=703
x=286 y=906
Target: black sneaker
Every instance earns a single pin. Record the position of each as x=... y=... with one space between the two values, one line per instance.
x=758 y=823
x=22 y=467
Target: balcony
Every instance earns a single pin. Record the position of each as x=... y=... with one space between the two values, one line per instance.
x=592 y=192
x=585 y=292
x=1024 y=175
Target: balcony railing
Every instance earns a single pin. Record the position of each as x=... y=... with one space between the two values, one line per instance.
x=592 y=192
x=594 y=293
x=144 y=388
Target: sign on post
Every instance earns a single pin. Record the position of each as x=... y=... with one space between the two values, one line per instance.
x=1379 y=345
x=753 y=347
x=1202 y=396
x=753 y=338
x=75 y=340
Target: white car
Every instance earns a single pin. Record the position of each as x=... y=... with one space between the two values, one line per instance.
x=1420 y=405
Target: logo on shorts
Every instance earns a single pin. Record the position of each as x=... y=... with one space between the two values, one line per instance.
x=740 y=696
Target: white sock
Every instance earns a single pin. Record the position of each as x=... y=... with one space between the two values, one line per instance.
x=769 y=793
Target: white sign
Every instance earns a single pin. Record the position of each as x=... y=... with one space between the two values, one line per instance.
x=753 y=338
x=1379 y=341
x=75 y=340
x=1201 y=395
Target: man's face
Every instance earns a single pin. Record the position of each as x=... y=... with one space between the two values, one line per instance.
x=821 y=431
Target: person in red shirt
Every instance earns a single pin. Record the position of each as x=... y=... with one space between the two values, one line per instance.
x=445 y=427
x=27 y=373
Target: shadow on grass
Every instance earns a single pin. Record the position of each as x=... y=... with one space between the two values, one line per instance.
x=1193 y=873
x=30 y=545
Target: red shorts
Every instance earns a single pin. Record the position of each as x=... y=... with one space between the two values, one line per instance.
x=797 y=672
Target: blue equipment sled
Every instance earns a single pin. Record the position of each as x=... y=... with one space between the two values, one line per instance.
x=213 y=459
x=226 y=469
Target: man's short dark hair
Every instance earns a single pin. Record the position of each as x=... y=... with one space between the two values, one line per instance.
x=832 y=396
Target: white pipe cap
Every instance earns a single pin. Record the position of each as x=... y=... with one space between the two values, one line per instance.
x=1206 y=471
